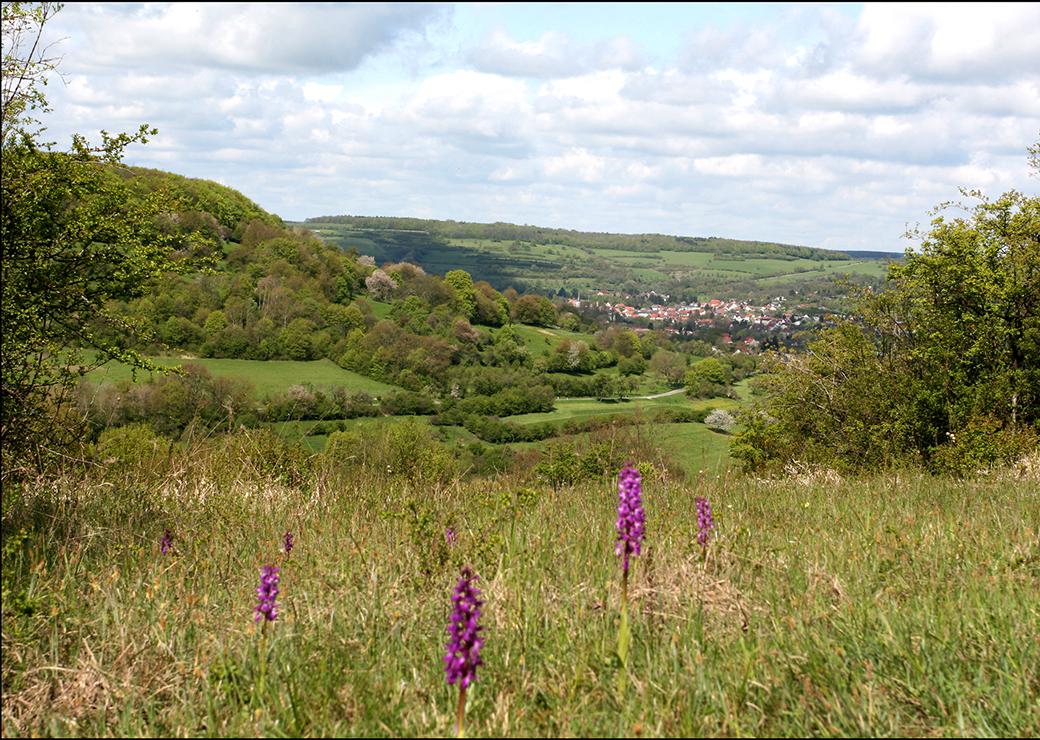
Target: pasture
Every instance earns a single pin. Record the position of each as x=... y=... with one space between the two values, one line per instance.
x=266 y=376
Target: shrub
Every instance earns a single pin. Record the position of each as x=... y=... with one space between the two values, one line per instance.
x=407 y=450
x=720 y=420
x=407 y=403
x=133 y=450
x=981 y=445
x=345 y=449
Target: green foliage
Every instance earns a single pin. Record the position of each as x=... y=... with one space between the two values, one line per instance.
x=345 y=449
x=170 y=404
x=669 y=365
x=632 y=365
x=536 y=310
x=206 y=207
x=75 y=238
x=132 y=450
x=564 y=465
x=571 y=357
x=492 y=309
x=941 y=368
x=981 y=445
x=708 y=378
x=464 y=296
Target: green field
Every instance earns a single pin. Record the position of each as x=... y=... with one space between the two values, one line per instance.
x=584 y=408
x=694 y=448
x=267 y=376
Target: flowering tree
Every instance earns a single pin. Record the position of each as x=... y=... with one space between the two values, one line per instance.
x=380 y=285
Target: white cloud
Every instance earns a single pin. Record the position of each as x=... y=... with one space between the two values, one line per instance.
x=960 y=41
x=271 y=38
x=553 y=55
x=818 y=129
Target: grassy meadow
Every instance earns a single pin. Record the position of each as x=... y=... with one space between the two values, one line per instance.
x=266 y=376
x=896 y=605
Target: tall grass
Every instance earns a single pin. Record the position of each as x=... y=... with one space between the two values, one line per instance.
x=892 y=606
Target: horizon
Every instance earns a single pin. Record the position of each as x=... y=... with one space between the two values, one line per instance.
x=579 y=231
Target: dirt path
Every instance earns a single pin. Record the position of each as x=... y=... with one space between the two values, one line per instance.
x=660 y=395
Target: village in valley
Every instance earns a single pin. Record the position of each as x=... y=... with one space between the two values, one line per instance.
x=720 y=322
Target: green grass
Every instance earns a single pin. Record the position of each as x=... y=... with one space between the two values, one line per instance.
x=585 y=408
x=694 y=447
x=267 y=376
x=891 y=606
x=541 y=341
x=380 y=309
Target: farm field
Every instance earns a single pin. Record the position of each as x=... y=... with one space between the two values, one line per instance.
x=583 y=408
x=820 y=606
x=549 y=266
x=267 y=376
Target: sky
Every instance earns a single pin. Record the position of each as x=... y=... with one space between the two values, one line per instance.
x=835 y=126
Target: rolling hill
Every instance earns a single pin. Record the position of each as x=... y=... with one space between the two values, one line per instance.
x=553 y=260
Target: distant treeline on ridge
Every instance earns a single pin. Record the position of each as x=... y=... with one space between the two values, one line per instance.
x=582 y=239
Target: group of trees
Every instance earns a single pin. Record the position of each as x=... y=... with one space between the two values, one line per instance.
x=941 y=368
x=75 y=235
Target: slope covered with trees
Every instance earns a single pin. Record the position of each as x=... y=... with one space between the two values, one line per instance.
x=572 y=262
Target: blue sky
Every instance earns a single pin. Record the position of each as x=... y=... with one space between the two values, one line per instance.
x=826 y=125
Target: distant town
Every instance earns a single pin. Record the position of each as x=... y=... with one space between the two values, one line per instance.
x=718 y=321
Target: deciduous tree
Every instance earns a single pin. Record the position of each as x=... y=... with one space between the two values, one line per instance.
x=75 y=238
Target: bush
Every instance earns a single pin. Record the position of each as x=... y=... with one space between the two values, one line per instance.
x=407 y=450
x=345 y=449
x=407 y=403
x=133 y=450
x=980 y=446
x=720 y=420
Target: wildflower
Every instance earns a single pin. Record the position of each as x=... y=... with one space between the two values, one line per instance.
x=705 y=521
x=287 y=543
x=463 y=656
x=631 y=517
x=166 y=543
x=266 y=608
x=450 y=536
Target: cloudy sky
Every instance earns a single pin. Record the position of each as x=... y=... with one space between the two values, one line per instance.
x=823 y=125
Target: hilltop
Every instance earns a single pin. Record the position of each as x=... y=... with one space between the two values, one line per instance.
x=567 y=262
